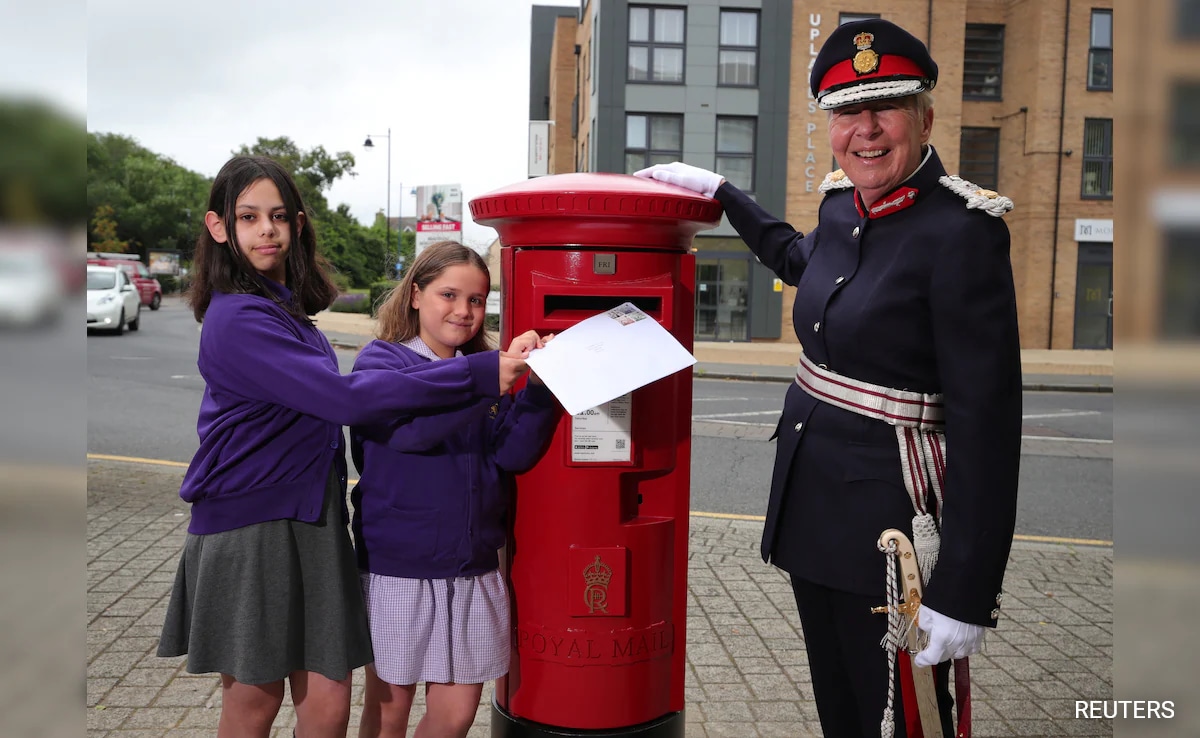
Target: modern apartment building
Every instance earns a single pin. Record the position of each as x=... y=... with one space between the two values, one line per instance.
x=1023 y=105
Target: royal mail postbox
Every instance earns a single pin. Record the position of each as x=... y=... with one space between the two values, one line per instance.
x=597 y=559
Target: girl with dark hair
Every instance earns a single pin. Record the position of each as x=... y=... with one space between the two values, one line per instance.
x=430 y=507
x=267 y=587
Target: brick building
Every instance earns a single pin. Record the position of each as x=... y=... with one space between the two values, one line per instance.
x=1159 y=140
x=1024 y=105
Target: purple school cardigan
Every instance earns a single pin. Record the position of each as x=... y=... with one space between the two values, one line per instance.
x=432 y=498
x=274 y=405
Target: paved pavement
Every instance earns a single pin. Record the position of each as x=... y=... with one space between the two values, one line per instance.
x=747 y=673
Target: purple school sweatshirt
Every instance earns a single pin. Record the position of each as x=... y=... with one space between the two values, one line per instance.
x=274 y=405
x=432 y=498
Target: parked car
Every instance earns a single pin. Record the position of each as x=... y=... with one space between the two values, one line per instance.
x=149 y=290
x=31 y=290
x=112 y=300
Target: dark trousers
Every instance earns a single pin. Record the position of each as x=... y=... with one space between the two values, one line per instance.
x=849 y=668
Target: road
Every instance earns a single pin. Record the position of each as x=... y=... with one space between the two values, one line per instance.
x=143 y=393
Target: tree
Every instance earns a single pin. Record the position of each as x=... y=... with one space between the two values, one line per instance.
x=143 y=200
x=41 y=165
x=314 y=170
x=104 y=230
x=156 y=203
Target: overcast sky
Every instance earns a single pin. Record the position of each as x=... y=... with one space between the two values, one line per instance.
x=195 y=80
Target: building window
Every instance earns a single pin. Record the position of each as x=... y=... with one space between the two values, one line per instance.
x=1097 y=159
x=737 y=61
x=656 y=45
x=735 y=151
x=844 y=18
x=1185 y=125
x=979 y=156
x=983 y=62
x=652 y=139
x=1180 y=298
x=1100 y=54
x=1187 y=21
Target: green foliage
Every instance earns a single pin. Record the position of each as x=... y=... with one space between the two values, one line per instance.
x=155 y=203
x=357 y=252
x=141 y=201
x=379 y=293
x=314 y=170
x=168 y=282
x=41 y=165
x=104 y=232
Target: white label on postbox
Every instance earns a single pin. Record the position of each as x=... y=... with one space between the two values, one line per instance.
x=604 y=263
x=603 y=433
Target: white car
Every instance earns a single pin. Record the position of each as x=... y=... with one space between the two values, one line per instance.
x=31 y=291
x=112 y=301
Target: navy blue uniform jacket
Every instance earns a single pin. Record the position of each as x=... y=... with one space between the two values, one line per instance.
x=920 y=298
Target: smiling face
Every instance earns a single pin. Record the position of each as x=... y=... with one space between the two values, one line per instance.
x=262 y=229
x=878 y=143
x=451 y=308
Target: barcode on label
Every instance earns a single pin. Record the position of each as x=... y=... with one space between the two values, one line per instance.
x=620 y=444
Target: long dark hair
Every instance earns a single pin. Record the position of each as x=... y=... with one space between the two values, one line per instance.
x=400 y=321
x=224 y=267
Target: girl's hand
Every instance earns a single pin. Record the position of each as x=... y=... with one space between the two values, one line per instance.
x=524 y=343
x=512 y=367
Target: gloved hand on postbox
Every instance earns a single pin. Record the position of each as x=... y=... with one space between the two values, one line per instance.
x=684 y=175
x=948 y=638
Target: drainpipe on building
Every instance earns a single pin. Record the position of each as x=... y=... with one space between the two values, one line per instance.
x=1062 y=123
x=929 y=25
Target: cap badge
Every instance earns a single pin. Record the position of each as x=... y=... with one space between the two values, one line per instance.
x=866 y=60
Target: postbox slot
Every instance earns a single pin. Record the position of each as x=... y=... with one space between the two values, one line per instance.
x=578 y=307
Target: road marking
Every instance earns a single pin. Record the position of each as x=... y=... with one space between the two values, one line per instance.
x=136 y=460
x=1064 y=414
x=735 y=415
x=1066 y=439
x=721 y=399
x=694 y=513
x=728 y=516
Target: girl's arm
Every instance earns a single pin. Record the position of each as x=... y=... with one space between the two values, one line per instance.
x=521 y=431
x=253 y=351
x=420 y=433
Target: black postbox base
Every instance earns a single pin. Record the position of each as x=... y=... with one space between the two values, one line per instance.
x=507 y=726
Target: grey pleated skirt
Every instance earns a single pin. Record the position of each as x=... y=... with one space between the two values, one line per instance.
x=260 y=602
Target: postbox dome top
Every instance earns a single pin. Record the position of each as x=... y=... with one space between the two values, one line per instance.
x=595 y=209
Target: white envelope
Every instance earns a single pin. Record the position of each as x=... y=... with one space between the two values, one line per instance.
x=606 y=356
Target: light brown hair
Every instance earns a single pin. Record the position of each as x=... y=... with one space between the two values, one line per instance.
x=400 y=321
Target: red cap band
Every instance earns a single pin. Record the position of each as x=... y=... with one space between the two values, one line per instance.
x=890 y=65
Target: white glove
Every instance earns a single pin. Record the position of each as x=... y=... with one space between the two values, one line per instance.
x=948 y=638
x=684 y=175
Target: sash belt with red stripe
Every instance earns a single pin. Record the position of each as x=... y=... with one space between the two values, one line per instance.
x=920 y=422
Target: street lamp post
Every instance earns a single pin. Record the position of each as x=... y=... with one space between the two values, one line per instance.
x=387 y=226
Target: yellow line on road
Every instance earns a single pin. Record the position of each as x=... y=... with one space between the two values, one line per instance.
x=695 y=513
x=136 y=460
x=728 y=516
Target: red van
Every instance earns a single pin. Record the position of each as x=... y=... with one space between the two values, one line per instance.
x=147 y=286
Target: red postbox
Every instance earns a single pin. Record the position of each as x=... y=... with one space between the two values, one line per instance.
x=597 y=555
